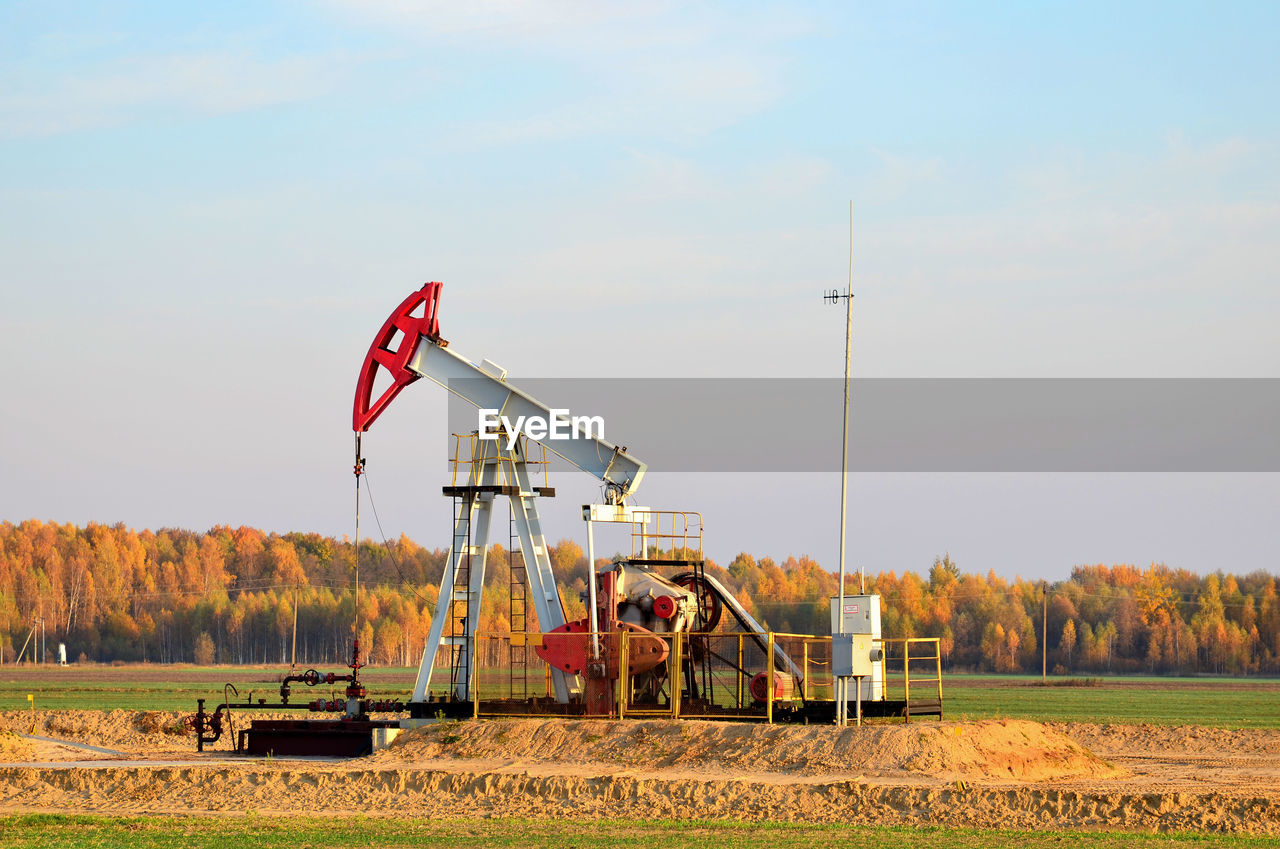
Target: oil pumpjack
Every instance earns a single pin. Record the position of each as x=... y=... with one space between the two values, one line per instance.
x=624 y=596
x=582 y=657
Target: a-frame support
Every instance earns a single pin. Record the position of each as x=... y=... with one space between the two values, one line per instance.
x=497 y=471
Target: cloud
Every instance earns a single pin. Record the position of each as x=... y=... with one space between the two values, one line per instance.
x=663 y=71
x=550 y=23
x=566 y=27
x=791 y=175
x=667 y=100
x=112 y=92
x=1168 y=221
x=658 y=178
x=899 y=174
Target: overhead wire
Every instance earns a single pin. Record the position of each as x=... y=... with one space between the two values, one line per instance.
x=368 y=488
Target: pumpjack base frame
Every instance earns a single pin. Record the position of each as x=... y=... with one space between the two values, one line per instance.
x=816 y=712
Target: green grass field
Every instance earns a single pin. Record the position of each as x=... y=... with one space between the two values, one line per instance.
x=75 y=832
x=1217 y=702
x=153 y=687
x=1214 y=702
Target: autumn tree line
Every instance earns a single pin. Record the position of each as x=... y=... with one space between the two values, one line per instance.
x=230 y=595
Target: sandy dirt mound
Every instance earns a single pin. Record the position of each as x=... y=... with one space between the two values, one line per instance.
x=289 y=789
x=1135 y=740
x=139 y=731
x=15 y=748
x=1008 y=750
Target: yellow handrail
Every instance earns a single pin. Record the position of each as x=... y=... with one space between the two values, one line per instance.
x=728 y=687
x=533 y=454
x=682 y=543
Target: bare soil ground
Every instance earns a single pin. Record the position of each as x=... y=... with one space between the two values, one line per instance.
x=995 y=773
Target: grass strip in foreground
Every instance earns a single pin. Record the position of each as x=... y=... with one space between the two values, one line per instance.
x=197 y=832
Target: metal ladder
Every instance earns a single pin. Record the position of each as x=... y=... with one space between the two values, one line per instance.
x=459 y=597
x=517 y=648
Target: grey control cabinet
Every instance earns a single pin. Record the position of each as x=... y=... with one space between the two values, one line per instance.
x=853 y=655
x=861 y=618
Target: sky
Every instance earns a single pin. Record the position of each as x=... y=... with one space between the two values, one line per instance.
x=208 y=210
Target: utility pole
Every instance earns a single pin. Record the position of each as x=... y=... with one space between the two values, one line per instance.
x=1044 y=633
x=37 y=648
x=293 y=653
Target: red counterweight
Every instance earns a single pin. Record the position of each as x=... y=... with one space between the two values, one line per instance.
x=569 y=648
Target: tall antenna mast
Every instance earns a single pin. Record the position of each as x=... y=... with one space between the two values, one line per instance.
x=834 y=297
